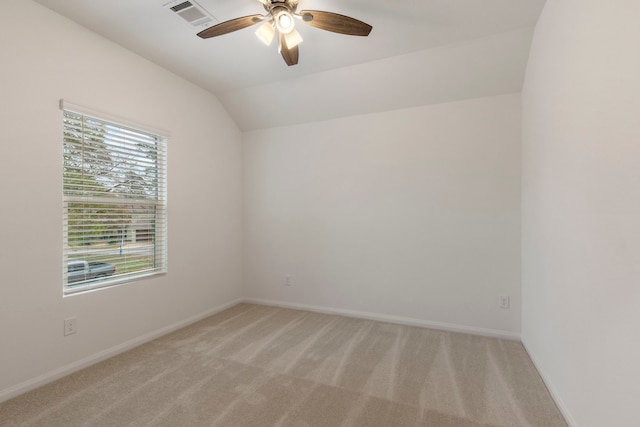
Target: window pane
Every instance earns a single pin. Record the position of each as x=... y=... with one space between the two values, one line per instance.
x=114 y=186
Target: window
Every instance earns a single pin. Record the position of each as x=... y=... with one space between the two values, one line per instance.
x=115 y=205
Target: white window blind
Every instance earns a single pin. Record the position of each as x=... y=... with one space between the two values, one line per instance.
x=115 y=204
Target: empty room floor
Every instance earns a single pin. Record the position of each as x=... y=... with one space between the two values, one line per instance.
x=254 y=365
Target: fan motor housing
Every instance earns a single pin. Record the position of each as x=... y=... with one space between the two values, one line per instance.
x=289 y=5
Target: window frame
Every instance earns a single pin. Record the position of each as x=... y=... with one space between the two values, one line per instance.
x=148 y=204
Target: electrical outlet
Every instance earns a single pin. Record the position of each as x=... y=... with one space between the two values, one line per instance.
x=287 y=280
x=70 y=326
x=504 y=301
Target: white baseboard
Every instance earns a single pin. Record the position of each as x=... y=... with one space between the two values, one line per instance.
x=55 y=374
x=552 y=389
x=391 y=319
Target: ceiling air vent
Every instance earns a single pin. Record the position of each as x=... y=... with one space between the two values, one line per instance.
x=192 y=13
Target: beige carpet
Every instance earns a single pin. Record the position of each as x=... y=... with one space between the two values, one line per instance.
x=254 y=365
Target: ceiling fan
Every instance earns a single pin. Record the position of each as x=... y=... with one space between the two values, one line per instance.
x=280 y=18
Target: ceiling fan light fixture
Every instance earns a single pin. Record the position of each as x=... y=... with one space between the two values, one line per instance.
x=266 y=32
x=284 y=21
x=293 y=38
x=280 y=19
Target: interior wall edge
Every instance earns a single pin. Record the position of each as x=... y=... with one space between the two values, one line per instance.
x=408 y=321
x=550 y=386
x=85 y=362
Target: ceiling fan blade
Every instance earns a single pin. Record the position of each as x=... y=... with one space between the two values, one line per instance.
x=335 y=22
x=290 y=55
x=230 y=26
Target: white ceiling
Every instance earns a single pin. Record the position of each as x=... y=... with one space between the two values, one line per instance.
x=419 y=52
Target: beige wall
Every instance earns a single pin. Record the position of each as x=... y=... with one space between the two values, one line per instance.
x=411 y=214
x=45 y=58
x=581 y=208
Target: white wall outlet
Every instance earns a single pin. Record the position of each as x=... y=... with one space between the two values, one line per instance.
x=70 y=326
x=287 y=280
x=504 y=301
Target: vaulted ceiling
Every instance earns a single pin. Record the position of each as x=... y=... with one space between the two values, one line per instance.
x=420 y=52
